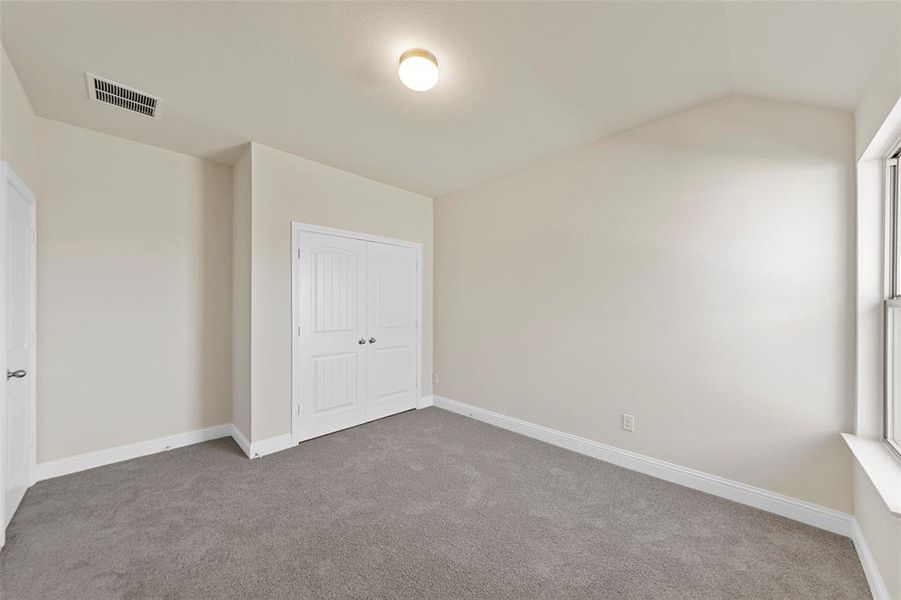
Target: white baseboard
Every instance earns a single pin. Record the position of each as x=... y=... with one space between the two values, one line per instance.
x=870 y=569
x=270 y=445
x=792 y=508
x=241 y=440
x=99 y=458
x=90 y=460
x=426 y=402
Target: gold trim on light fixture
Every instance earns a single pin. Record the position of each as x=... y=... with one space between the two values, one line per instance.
x=420 y=52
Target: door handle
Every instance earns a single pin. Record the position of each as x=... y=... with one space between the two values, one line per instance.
x=361 y=341
x=371 y=340
x=18 y=374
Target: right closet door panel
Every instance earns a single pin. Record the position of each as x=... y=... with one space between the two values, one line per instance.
x=391 y=301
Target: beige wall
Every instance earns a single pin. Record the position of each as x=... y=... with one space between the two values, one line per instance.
x=693 y=272
x=877 y=128
x=873 y=140
x=883 y=93
x=241 y=273
x=881 y=529
x=18 y=140
x=288 y=188
x=134 y=298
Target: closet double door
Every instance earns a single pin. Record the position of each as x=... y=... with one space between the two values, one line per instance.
x=356 y=313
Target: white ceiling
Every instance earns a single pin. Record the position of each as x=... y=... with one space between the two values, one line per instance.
x=519 y=81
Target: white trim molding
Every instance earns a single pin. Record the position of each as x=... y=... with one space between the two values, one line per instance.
x=271 y=445
x=99 y=458
x=785 y=506
x=241 y=440
x=880 y=466
x=870 y=570
x=426 y=402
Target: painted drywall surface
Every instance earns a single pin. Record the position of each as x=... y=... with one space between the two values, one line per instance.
x=877 y=131
x=134 y=294
x=288 y=188
x=241 y=274
x=882 y=94
x=881 y=529
x=693 y=272
x=875 y=137
x=18 y=140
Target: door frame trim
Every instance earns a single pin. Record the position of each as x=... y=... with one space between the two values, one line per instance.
x=296 y=229
x=9 y=176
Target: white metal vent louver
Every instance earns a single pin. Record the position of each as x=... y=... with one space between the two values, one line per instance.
x=122 y=96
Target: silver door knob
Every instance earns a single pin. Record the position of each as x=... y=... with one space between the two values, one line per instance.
x=18 y=374
x=362 y=341
x=371 y=340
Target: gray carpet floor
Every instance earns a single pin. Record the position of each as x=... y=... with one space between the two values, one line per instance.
x=425 y=504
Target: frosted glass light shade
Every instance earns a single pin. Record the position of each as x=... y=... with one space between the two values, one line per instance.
x=418 y=69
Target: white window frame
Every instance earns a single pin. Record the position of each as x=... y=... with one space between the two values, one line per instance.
x=893 y=296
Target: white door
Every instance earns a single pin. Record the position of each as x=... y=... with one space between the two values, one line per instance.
x=357 y=341
x=391 y=324
x=331 y=317
x=19 y=340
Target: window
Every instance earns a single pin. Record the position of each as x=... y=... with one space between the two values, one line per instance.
x=893 y=306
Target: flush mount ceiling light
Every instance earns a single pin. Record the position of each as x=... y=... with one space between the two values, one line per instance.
x=418 y=69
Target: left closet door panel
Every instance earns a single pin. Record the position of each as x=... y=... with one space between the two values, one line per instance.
x=332 y=313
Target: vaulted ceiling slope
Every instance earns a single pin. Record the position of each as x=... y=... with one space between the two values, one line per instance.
x=519 y=81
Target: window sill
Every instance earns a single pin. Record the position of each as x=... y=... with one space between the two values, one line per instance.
x=883 y=469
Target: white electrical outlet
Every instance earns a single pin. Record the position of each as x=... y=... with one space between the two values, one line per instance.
x=628 y=422
x=435 y=380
